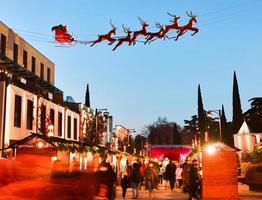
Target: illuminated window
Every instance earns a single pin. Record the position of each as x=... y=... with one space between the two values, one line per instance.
x=29 y=121
x=17 y=111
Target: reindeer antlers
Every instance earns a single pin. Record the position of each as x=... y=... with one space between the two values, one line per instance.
x=171 y=14
x=190 y=14
x=113 y=26
x=142 y=22
x=125 y=29
x=158 y=25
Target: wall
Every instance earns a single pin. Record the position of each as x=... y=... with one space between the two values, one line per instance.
x=12 y=38
x=12 y=132
x=16 y=133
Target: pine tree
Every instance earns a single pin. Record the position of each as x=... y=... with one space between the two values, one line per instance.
x=201 y=116
x=87 y=98
x=237 y=111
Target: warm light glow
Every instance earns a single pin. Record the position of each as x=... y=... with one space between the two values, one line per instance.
x=85 y=162
x=239 y=142
x=40 y=145
x=54 y=158
x=248 y=142
x=211 y=149
x=89 y=156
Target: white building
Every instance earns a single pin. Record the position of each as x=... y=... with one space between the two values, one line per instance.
x=245 y=139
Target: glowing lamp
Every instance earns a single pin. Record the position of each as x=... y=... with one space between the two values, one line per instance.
x=40 y=145
x=211 y=149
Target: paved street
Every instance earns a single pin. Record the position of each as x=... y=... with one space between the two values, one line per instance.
x=81 y=189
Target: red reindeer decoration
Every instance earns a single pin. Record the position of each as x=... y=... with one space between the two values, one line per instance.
x=183 y=29
x=62 y=35
x=143 y=31
x=153 y=36
x=128 y=38
x=174 y=25
x=107 y=36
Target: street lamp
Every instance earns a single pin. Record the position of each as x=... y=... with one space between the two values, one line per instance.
x=209 y=115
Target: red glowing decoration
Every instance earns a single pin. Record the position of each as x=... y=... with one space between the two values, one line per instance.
x=62 y=35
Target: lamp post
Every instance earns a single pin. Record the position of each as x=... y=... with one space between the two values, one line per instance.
x=209 y=115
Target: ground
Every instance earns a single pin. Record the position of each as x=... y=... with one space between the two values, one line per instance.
x=81 y=189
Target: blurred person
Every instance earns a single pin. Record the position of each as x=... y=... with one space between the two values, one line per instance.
x=194 y=181
x=179 y=171
x=171 y=173
x=105 y=175
x=135 y=180
x=185 y=175
x=151 y=178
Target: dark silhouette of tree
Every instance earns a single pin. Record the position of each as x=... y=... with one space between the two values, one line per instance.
x=253 y=116
x=163 y=132
x=87 y=97
x=201 y=116
x=223 y=123
x=237 y=111
x=190 y=130
x=191 y=125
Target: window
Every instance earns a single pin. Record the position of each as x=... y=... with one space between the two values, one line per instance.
x=75 y=128
x=33 y=64
x=52 y=116
x=42 y=71
x=15 y=53
x=68 y=127
x=25 y=58
x=29 y=121
x=48 y=75
x=60 y=123
x=17 y=113
x=3 y=44
x=43 y=119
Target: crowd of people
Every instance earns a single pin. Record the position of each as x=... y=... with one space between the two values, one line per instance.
x=150 y=175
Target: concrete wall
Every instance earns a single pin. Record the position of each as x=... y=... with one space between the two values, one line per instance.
x=11 y=38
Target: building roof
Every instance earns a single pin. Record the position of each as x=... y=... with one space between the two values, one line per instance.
x=18 y=72
x=244 y=129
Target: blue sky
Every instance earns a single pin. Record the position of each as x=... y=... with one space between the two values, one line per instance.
x=139 y=83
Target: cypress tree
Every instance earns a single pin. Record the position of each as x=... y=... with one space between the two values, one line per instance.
x=223 y=123
x=237 y=111
x=201 y=116
x=87 y=97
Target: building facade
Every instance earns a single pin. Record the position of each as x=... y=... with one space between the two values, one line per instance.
x=29 y=100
